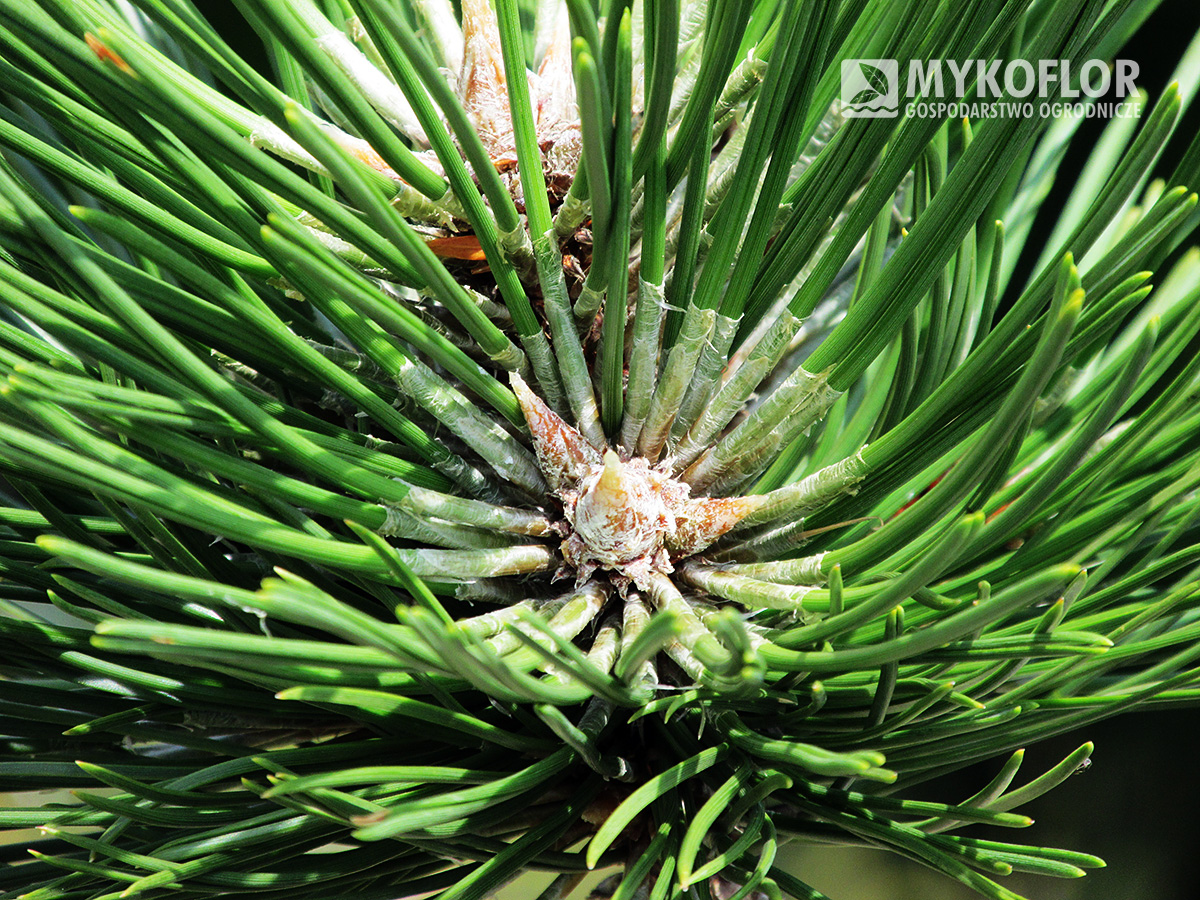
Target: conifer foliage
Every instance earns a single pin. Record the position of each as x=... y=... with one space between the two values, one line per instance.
x=508 y=435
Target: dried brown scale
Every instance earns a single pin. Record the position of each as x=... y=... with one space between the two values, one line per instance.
x=623 y=516
x=483 y=90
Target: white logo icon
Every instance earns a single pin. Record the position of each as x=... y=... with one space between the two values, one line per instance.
x=869 y=89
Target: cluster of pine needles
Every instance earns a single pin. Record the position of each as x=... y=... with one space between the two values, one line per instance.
x=310 y=364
